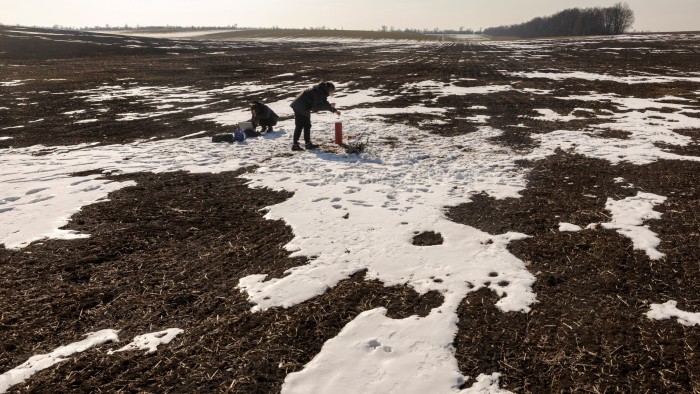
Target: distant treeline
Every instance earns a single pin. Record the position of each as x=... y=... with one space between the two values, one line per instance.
x=384 y=28
x=572 y=22
x=155 y=28
x=436 y=30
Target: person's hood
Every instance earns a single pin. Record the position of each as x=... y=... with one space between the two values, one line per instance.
x=324 y=88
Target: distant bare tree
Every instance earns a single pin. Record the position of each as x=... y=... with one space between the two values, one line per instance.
x=619 y=18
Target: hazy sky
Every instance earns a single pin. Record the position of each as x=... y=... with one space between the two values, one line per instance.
x=651 y=15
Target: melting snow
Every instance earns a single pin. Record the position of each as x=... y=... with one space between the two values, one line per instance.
x=374 y=347
x=441 y=89
x=628 y=216
x=569 y=227
x=354 y=213
x=558 y=76
x=552 y=116
x=76 y=112
x=16 y=82
x=151 y=341
x=37 y=363
x=669 y=310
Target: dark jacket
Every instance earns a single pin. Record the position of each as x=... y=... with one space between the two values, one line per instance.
x=265 y=115
x=312 y=99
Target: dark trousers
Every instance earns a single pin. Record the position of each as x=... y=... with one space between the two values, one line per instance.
x=302 y=123
x=267 y=122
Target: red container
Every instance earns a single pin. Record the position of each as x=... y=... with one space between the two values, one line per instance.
x=339 y=133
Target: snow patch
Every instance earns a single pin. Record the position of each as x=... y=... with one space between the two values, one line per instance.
x=486 y=384
x=628 y=216
x=373 y=351
x=15 y=82
x=76 y=112
x=37 y=363
x=559 y=76
x=482 y=119
x=552 y=116
x=564 y=227
x=151 y=341
x=669 y=310
x=441 y=89
x=39 y=197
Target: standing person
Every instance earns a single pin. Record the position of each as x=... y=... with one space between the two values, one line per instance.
x=263 y=116
x=312 y=99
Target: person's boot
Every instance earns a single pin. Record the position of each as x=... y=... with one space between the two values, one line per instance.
x=297 y=147
x=310 y=145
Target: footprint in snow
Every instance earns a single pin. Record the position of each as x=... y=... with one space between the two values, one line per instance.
x=88 y=189
x=361 y=203
x=375 y=344
x=79 y=182
x=38 y=200
x=34 y=191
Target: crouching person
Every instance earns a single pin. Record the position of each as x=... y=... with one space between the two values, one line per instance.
x=263 y=116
